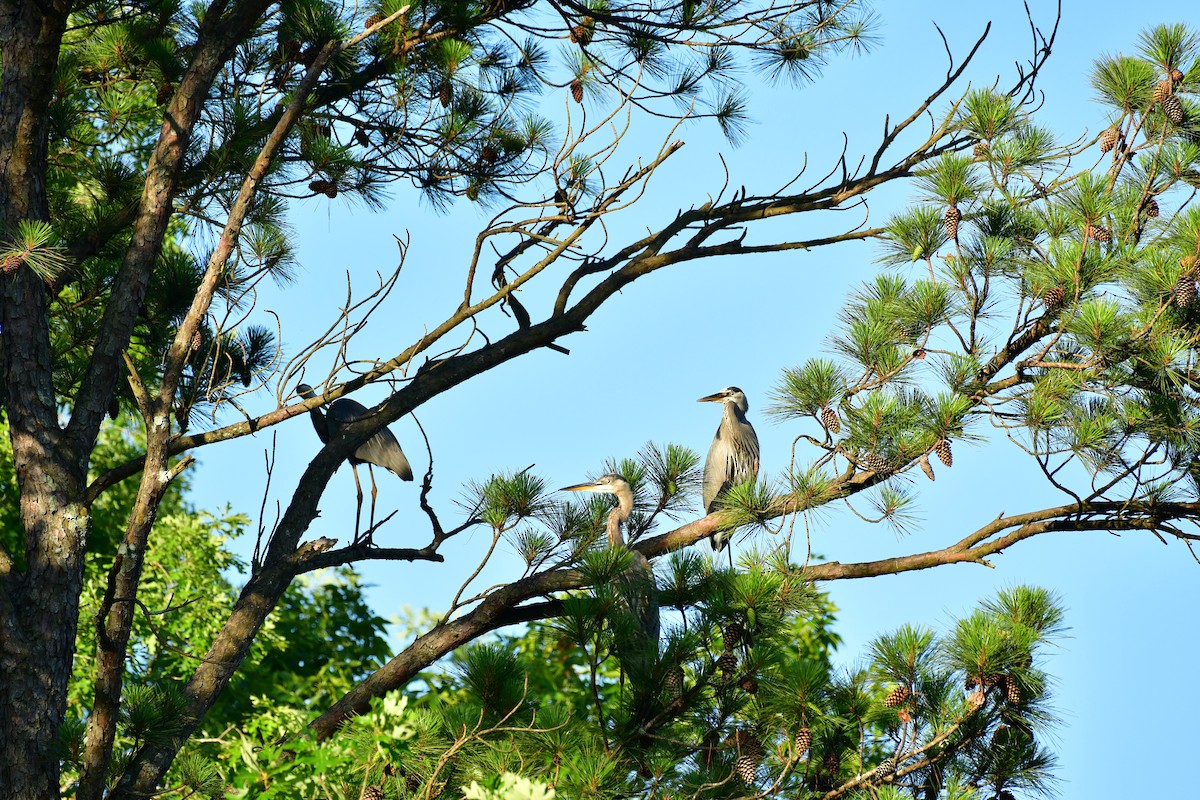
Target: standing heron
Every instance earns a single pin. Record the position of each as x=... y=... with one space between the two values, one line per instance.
x=382 y=449
x=638 y=579
x=733 y=456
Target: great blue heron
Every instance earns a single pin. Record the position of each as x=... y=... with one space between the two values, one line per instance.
x=381 y=450
x=638 y=579
x=733 y=456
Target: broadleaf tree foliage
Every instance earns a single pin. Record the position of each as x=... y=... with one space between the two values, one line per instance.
x=149 y=154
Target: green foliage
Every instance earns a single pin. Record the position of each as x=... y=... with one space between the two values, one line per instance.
x=988 y=115
x=442 y=97
x=36 y=246
x=572 y=730
x=805 y=390
x=1059 y=312
x=506 y=499
x=291 y=671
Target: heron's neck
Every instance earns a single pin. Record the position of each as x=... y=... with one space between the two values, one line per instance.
x=619 y=515
x=320 y=424
x=734 y=412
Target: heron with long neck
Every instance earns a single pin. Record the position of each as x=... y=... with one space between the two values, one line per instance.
x=733 y=455
x=638 y=579
x=381 y=450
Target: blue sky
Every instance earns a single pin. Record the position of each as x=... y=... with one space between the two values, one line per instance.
x=635 y=374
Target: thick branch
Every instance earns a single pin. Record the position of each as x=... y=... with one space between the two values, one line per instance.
x=219 y=35
x=503 y=606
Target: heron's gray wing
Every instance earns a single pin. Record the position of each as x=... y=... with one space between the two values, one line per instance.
x=716 y=471
x=382 y=449
x=744 y=461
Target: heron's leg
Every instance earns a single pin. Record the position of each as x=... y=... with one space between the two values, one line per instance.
x=358 y=510
x=374 y=494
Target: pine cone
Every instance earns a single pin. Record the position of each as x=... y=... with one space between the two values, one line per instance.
x=1012 y=692
x=831 y=763
x=803 y=740
x=746 y=768
x=674 y=682
x=727 y=662
x=362 y=137
x=577 y=90
x=897 y=696
x=1162 y=90
x=992 y=681
x=748 y=745
x=926 y=467
x=919 y=354
x=12 y=262
x=327 y=188
x=372 y=793
x=196 y=341
x=750 y=685
x=1176 y=75
x=488 y=154
x=373 y=20
x=981 y=149
x=734 y=635
x=829 y=419
x=952 y=217
x=1097 y=232
x=942 y=450
x=873 y=462
x=1184 y=291
x=1151 y=208
x=582 y=33
x=164 y=93
x=1054 y=296
x=1173 y=108
x=1109 y=139
x=446 y=93
x=886 y=769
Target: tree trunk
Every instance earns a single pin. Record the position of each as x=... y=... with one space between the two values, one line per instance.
x=38 y=606
x=37 y=643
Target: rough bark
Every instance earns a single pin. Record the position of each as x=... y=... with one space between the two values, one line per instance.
x=38 y=607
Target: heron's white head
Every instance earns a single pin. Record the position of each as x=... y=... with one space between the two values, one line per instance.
x=730 y=394
x=611 y=483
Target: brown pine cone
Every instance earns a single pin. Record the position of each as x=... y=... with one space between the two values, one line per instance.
x=897 y=696
x=327 y=188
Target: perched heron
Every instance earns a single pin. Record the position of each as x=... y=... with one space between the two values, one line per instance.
x=638 y=579
x=733 y=456
x=381 y=450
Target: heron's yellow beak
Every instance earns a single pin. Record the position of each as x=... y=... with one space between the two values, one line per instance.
x=590 y=486
x=712 y=398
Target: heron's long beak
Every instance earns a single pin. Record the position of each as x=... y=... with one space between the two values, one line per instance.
x=712 y=398
x=590 y=486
